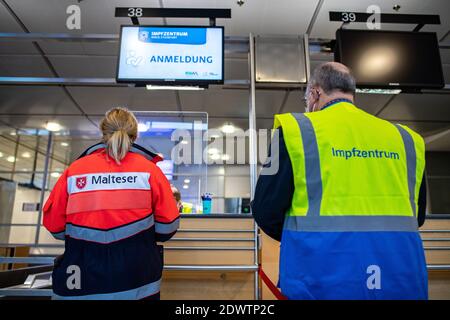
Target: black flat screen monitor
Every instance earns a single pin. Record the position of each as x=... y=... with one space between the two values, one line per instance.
x=391 y=59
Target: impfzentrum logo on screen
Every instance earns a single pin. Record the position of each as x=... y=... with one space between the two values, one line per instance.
x=356 y=153
x=192 y=36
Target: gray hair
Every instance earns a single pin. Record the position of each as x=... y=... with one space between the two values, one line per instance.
x=333 y=76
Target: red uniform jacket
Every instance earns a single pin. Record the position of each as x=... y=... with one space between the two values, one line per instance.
x=111 y=217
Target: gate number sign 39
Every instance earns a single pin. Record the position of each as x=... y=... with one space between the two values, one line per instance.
x=348 y=17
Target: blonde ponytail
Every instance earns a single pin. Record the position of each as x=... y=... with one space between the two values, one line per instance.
x=119 y=128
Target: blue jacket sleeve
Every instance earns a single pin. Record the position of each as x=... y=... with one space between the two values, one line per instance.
x=274 y=190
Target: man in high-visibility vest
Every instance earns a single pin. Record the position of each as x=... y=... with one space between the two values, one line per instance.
x=346 y=200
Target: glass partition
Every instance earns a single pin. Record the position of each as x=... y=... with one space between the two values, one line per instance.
x=179 y=137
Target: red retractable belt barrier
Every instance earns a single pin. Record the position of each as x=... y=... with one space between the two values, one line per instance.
x=272 y=287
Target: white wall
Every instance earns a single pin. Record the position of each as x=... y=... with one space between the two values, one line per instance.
x=24 y=234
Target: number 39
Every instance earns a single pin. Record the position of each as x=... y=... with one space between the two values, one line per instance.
x=348 y=17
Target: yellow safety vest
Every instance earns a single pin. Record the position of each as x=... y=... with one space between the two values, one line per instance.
x=357 y=179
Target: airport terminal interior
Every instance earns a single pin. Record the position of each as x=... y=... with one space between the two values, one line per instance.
x=64 y=63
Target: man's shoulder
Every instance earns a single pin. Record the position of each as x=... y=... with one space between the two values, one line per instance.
x=413 y=133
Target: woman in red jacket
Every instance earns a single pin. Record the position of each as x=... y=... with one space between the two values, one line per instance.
x=111 y=206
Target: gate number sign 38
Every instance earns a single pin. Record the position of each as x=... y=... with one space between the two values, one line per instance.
x=135 y=12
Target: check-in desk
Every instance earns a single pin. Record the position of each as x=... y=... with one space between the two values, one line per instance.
x=437 y=254
x=212 y=256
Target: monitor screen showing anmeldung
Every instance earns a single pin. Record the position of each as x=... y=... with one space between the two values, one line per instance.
x=171 y=54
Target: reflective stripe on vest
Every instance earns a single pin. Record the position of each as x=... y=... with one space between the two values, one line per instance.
x=312 y=165
x=411 y=165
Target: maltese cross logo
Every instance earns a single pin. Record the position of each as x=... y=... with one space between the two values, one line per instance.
x=81 y=182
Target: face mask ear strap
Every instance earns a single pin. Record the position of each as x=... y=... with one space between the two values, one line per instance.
x=318 y=97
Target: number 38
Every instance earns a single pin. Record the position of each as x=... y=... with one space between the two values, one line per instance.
x=135 y=12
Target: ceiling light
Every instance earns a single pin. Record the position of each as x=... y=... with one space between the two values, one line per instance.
x=64 y=144
x=187 y=180
x=143 y=127
x=215 y=156
x=1 y=154
x=213 y=150
x=228 y=128
x=184 y=142
x=152 y=87
x=13 y=133
x=10 y=159
x=26 y=155
x=53 y=126
x=379 y=91
x=225 y=157
x=185 y=186
x=55 y=174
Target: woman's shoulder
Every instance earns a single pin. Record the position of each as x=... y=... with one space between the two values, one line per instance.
x=139 y=160
x=98 y=162
x=90 y=162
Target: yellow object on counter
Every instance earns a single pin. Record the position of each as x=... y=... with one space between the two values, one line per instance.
x=187 y=207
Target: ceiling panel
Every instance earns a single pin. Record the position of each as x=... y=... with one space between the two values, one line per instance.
x=217 y=123
x=264 y=123
x=8 y=24
x=426 y=129
x=96 y=16
x=445 y=56
x=256 y=16
x=439 y=141
x=71 y=125
x=97 y=100
x=323 y=28
x=446 y=70
x=85 y=66
x=236 y=69
x=294 y=103
x=371 y=103
x=23 y=66
x=217 y=102
x=35 y=100
x=268 y=102
x=105 y=48
x=430 y=107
